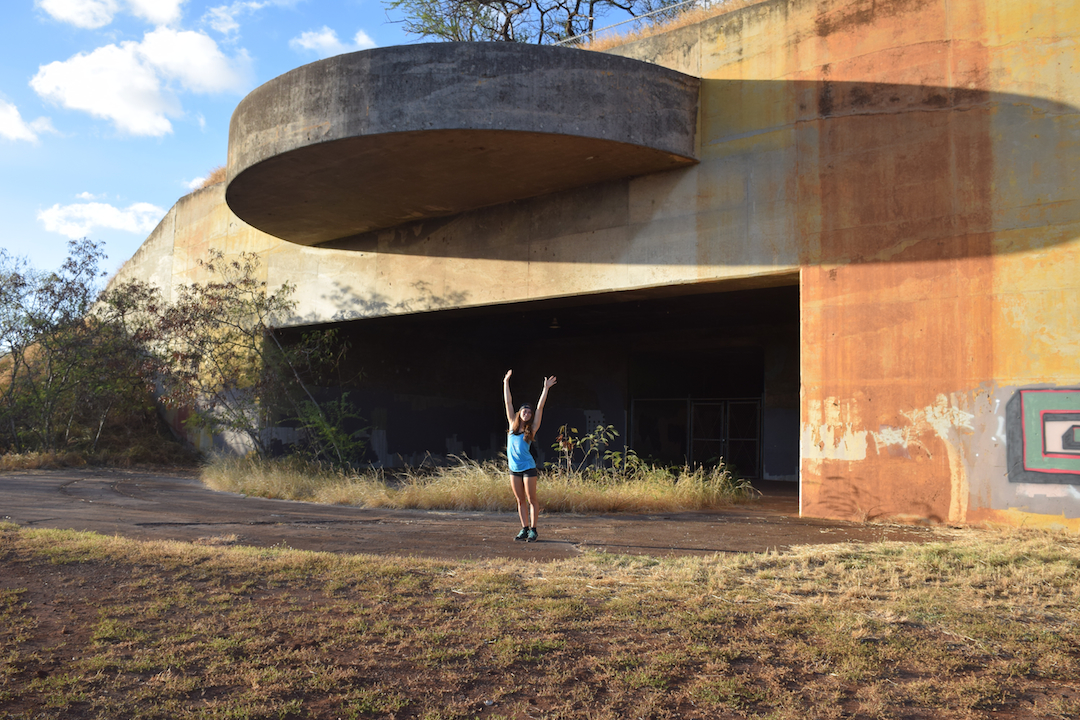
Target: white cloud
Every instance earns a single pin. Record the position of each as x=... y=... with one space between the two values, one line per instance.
x=196 y=183
x=13 y=127
x=76 y=221
x=223 y=18
x=91 y=14
x=130 y=83
x=81 y=13
x=325 y=42
x=193 y=58
x=114 y=83
x=159 y=12
x=87 y=196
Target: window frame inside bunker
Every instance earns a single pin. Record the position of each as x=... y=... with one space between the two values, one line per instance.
x=687 y=436
x=430 y=382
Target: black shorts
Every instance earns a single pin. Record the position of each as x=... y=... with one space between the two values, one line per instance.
x=531 y=472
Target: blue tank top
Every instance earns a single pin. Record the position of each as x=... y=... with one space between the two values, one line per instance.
x=517 y=453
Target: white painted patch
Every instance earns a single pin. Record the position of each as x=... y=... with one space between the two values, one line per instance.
x=837 y=438
x=1000 y=434
x=1034 y=490
x=890 y=436
x=943 y=417
x=905 y=437
x=834 y=432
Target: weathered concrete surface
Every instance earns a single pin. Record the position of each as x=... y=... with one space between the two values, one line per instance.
x=926 y=157
x=915 y=163
x=376 y=138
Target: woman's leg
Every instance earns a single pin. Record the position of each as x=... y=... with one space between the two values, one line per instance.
x=518 y=485
x=530 y=496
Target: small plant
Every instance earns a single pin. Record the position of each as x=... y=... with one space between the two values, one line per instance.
x=326 y=431
x=593 y=447
x=586 y=461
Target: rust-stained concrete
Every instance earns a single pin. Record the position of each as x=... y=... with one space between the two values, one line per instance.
x=913 y=163
x=933 y=146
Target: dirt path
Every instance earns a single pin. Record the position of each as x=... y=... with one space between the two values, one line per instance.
x=166 y=506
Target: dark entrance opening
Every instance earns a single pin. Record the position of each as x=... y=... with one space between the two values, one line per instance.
x=684 y=375
x=706 y=411
x=697 y=431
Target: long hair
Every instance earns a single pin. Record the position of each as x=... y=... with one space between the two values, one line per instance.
x=519 y=426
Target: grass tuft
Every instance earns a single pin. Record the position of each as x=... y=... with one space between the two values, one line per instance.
x=471 y=485
x=215 y=176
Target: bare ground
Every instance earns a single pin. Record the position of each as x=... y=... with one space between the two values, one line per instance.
x=583 y=667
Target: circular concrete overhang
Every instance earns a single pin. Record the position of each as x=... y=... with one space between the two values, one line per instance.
x=376 y=138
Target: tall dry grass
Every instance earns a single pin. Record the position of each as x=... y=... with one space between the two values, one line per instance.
x=215 y=176
x=471 y=485
x=140 y=452
x=40 y=461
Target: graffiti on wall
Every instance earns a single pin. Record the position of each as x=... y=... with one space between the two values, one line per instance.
x=1043 y=430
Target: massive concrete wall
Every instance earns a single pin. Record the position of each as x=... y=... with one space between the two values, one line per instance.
x=912 y=163
x=924 y=154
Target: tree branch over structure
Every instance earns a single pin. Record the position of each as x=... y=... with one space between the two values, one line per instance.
x=543 y=22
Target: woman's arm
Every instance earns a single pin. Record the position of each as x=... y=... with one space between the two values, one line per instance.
x=539 y=415
x=507 y=398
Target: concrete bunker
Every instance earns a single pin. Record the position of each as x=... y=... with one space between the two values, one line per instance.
x=911 y=169
x=373 y=139
x=684 y=375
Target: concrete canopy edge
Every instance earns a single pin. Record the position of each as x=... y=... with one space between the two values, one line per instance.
x=372 y=139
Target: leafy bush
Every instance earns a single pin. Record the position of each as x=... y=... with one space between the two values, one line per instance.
x=68 y=375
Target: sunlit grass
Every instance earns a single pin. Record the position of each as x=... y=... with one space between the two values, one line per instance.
x=40 y=460
x=982 y=622
x=141 y=452
x=470 y=485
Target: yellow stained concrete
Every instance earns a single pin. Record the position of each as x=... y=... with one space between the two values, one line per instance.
x=916 y=161
x=938 y=246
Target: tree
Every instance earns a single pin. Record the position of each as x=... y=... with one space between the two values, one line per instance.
x=62 y=369
x=72 y=359
x=528 y=21
x=218 y=356
x=212 y=343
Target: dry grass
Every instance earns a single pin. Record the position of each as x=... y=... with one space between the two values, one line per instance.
x=985 y=625
x=215 y=176
x=646 y=29
x=40 y=461
x=469 y=485
x=127 y=445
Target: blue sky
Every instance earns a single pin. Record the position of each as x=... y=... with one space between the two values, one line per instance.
x=111 y=110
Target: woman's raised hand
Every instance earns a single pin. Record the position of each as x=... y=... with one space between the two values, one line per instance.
x=549 y=381
x=506 y=378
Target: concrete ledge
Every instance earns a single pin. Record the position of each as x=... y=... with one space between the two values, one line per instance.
x=373 y=139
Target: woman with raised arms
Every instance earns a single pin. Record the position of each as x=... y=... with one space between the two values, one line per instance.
x=524 y=425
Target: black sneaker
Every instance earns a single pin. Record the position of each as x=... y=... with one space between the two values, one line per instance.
x=523 y=535
x=531 y=535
